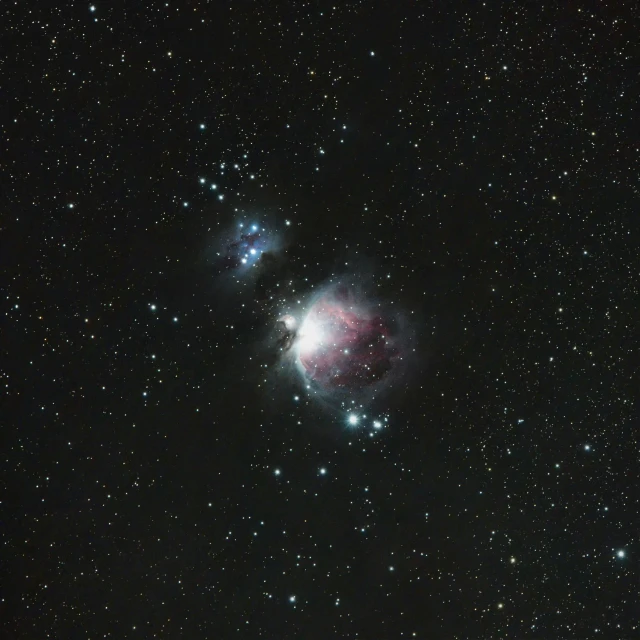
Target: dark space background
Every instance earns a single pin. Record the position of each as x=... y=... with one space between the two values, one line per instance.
x=480 y=158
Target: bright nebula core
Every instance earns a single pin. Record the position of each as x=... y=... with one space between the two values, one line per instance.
x=343 y=345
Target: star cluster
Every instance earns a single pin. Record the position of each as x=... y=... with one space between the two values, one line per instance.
x=246 y=248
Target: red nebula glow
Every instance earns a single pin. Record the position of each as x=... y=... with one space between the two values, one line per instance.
x=341 y=346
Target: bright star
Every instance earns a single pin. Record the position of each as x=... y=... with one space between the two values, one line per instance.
x=353 y=419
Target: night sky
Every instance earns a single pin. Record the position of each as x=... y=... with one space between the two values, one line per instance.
x=320 y=320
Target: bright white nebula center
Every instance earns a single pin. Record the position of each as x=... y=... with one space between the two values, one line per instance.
x=311 y=335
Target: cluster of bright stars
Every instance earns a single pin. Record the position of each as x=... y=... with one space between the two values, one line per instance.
x=322 y=471
x=213 y=186
x=154 y=308
x=252 y=250
x=353 y=420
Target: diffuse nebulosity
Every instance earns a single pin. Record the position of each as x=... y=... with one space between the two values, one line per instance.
x=342 y=345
